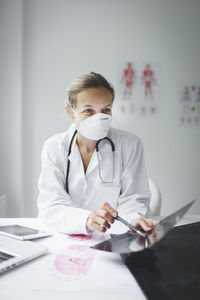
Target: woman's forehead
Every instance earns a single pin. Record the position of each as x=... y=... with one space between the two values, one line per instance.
x=94 y=97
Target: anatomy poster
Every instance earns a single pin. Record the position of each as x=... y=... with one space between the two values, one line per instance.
x=189 y=104
x=139 y=88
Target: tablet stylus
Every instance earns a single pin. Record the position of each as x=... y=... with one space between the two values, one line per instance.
x=143 y=234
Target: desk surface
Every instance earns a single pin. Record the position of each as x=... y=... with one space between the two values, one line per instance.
x=38 y=278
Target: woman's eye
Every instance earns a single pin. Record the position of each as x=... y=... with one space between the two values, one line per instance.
x=107 y=110
x=87 y=111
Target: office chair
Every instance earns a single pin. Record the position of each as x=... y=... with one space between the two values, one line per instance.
x=155 y=202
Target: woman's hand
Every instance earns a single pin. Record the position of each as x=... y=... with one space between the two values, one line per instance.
x=144 y=223
x=101 y=218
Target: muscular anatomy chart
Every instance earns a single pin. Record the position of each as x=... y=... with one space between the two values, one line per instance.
x=139 y=88
x=128 y=79
x=148 y=80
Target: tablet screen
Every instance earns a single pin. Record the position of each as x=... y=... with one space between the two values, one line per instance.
x=18 y=230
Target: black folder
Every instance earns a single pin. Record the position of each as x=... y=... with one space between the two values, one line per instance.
x=170 y=269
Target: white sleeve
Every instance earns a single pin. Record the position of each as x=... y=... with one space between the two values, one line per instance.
x=54 y=204
x=135 y=194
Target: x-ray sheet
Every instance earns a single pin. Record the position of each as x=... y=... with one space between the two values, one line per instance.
x=132 y=242
x=126 y=242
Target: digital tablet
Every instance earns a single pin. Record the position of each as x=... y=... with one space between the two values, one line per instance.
x=22 y=232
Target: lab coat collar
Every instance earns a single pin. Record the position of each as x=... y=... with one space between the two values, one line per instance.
x=65 y=141
x=75 y=157
x=68 y=136
x=76 y=160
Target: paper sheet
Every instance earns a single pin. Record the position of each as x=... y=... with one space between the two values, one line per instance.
x=77 y=267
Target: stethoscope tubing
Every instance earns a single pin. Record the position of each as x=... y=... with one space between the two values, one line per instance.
x=97 y=149
x=68 y=161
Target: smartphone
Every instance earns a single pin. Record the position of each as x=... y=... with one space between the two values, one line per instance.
x=22 y=232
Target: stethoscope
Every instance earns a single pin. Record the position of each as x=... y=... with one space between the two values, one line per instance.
x=97 y=150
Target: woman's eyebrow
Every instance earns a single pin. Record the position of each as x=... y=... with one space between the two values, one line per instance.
x=86 y=105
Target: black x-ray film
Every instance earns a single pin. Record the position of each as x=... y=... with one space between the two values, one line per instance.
x=132 y=242
x=170 y=269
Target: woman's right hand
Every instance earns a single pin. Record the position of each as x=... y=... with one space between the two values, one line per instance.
x=101 y=218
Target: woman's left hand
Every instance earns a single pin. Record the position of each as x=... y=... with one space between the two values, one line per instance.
x=144 y=223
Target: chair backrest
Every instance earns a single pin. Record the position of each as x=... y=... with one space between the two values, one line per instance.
x=3 y=206
x=155 y=202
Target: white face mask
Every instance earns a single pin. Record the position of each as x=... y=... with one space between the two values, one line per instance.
x=95 y=127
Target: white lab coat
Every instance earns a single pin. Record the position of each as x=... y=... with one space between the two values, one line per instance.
x=129 y=192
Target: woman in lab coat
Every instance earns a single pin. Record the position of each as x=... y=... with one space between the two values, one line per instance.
x=84 y=190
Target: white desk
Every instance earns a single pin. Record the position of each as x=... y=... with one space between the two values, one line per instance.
x=31 y=280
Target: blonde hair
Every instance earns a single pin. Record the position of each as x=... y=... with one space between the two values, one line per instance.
x=87 y=81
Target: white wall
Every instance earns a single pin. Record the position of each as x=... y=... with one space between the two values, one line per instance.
x=10 y=104
x=63 y=39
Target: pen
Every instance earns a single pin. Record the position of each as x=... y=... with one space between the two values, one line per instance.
x=143 y=234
